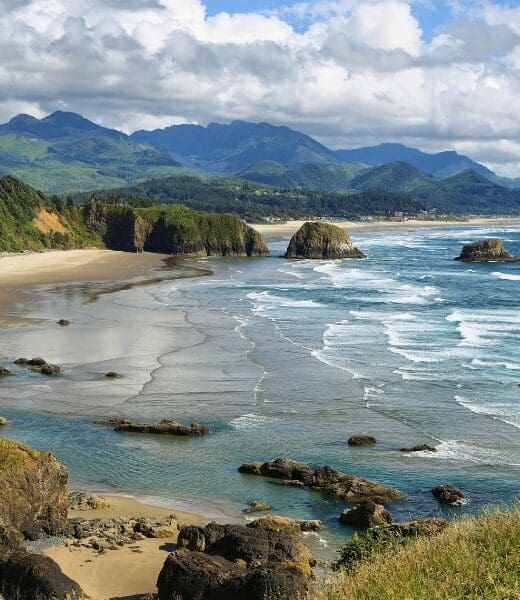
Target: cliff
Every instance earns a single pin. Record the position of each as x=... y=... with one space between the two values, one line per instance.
x=322 y=241
x=33 y=494
x=490 y=250
x=173 y=230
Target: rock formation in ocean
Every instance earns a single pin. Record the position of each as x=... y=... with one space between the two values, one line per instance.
x=490 y=250
x=448 y=494
x=165 y=427
x=366 y=514
x=419 y=448
x=322 y=241
x=248 y=562
x=327 y=480
x=33 y=494
x=173 y=230
x=361 y=440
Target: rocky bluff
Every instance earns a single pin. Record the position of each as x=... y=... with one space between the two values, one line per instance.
x=322 y=241
x=173 y=230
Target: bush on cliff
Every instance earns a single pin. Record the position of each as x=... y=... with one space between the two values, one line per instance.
x=473 y=559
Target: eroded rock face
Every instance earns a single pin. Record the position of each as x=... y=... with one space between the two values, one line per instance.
x=25 y=576
x=220 y=562
x=322 y=241
x=366 y=514
x=165 y=427
x=344 y=486
x=33 y=494
x=491 y=250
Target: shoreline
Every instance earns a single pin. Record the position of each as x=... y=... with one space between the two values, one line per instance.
x=279 y=230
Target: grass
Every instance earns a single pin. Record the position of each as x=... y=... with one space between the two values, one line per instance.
x=475 y=558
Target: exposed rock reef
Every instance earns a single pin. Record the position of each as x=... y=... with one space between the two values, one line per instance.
x=419 y=448
x=361 y=440
x=25 y=576
x=250 y=562
x=491 y=250
x=164 y=427
x=173 y=230
x=327 y=480
x=448 y=494
x=33 y=494
x=322 y=241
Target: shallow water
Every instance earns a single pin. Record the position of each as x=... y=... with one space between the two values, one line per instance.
x=288 y=359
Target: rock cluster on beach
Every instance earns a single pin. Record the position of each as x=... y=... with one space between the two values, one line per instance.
x=249 y=562
x=490 y=250
x=39 y=365
x=322 y=241
x=164 y=427
x=327 y=480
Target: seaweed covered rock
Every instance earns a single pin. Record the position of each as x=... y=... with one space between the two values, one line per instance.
x=490 y=250
x=33 y=494
x=327 y=480
x=25 y=576
x=322 y=241
x=249 y=562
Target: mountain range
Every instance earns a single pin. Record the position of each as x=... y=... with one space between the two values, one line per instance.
x=65 y=152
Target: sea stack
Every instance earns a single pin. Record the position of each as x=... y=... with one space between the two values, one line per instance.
x=491 y=250
x=322 y=241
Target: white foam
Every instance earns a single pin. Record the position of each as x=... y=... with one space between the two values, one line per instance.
x=506 y=365
x=456 y=450
x=251 y=421
x=499 y=411
x=506 y=276
x=267 y=301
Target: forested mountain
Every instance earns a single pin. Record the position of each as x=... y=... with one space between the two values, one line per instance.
x=234 y=147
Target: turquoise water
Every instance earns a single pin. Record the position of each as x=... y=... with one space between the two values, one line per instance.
x=291 y=358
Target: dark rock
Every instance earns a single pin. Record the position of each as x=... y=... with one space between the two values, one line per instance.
x=165 y=427
x=257 y=506
x=6 y=372
x=327 y=480
x=33 y=493
x=366 y=514
x=419 y=448
x=21 y=361
x=491 y=250
x=361 y=440
x=224 y=562
x=63 y=322
x=322 y=241
x=36 y=362
x=448 y=494
x=112 y=375
x=25 y=576
x=48 y=370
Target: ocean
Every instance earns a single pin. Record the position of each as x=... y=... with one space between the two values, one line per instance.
x=288 y=359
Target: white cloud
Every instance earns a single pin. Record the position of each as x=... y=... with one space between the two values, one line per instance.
x=362 y=72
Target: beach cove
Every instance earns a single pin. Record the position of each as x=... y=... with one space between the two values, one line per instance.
x=278 y=359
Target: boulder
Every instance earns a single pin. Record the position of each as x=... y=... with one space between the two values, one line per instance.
x=448 y=494
x=165 y=427
x=322 y=241
x=278 y=523
x=63 y=322
x=251 y=562
x=49 y=370
x=21 y=361
x=86 y=501
x=257 y=506
x=361 y=440
x=366 y=514
x=346 y=487
x=3 y=421
x=33 y=494
x=490 y=250
x=6 y=372
x=112 y=375
x=25 y=576
x=36 y=362
x=419 y=448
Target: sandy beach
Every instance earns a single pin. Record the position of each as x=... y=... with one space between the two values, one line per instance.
x=123 y=572
x=273 y=230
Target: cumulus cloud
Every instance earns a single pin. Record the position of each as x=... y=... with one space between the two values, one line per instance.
x=360 y=71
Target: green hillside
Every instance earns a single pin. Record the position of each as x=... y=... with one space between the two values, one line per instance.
x=312 y=177
x=31 y=221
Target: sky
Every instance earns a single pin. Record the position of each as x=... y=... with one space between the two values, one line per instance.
x=434 y=74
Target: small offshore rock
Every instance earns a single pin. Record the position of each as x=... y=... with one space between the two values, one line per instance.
x=366 y=514
x=6 y=372
x=257 y=506
x=21 y=361
x=361 y=440
x=419 y=448
x=36 y=362
x=112 y=375
x=164 y=427
x=49 y=370
x=449 y=494
x=490 y=250
x=64 y=322
x=3 y=421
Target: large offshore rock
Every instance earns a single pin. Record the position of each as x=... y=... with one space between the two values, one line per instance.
x=327 y=480
x=252 y=562
x=322 y=241
x=491 y=250
x=25 y=576
x=33 y=494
